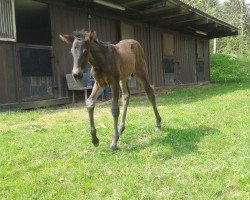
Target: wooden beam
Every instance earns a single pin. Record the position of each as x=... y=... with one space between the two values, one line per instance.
x=187 y=22
x=133 y=3
x=206 y=25
x=219 y=35
x=175 y=19
x=163 y=14
x=147 y=5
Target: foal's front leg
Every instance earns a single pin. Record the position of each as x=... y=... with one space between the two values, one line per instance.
x=125 y=102
x=115 y=112
x=90 y=104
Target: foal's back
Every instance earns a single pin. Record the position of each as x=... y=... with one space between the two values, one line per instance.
x=131 y=57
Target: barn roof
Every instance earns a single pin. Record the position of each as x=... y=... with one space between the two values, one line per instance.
x=168 y=14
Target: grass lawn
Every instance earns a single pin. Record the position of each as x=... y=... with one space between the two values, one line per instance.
x=202 y=151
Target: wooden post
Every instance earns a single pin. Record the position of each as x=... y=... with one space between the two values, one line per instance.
x=73 y=97
x=86 y=94
x=215 y=41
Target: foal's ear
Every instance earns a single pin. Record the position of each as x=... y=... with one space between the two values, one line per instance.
x=67 y=38
x=91 y=35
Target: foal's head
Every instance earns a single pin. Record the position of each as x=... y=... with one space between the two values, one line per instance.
x=80 y=41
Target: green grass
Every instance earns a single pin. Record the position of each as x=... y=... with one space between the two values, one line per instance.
x=202 y=151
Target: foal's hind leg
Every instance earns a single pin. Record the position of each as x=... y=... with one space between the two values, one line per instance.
x=115 y=112
x=142 y=77
x=125 y=102
x=151 y=96
x=90 y=104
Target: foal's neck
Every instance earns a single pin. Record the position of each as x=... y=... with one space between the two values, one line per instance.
x=99 y=51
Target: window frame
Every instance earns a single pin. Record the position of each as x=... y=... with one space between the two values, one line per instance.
x=11 y=38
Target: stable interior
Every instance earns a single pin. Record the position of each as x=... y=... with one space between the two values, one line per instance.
x=32 y=22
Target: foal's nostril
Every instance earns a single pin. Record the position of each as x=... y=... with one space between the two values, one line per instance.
x=75 y=76
x=78 y=75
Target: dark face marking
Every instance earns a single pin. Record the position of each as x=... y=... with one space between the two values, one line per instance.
x=80 y=53
x=80 y=50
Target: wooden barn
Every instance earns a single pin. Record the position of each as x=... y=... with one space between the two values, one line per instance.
x=34 y=62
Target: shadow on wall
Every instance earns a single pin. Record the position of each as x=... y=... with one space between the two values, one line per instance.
x=175 y=142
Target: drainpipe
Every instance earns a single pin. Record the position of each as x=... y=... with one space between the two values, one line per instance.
x=215 y=45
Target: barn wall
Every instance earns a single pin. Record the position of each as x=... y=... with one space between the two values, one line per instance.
x=142 y=35
x=8 y=74
x=185 y=58
x=156 y=57
x=65 y=19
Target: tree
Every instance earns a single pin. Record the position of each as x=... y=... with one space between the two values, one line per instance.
x=208 y=6
x=235 y=12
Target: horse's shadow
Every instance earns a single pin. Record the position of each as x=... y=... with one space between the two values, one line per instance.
x=171 y=142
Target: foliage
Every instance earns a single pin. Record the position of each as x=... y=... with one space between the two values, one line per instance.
x=235 y=12
x=202 y=151
x=209 y=6
x=229 y=68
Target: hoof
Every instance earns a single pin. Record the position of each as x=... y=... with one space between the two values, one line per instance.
x=121 y=129
x=113 y=148
x=95 y=142
x=158 y=128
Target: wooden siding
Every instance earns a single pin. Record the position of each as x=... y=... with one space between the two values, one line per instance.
x=156 y=57
x=8 y=74
x=143 y=37
x=106 y=29
x=185 y=58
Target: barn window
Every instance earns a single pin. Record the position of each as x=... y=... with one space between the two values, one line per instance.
x=200 y=49
x=7 y=20
x=127 y=31
x=168 y=45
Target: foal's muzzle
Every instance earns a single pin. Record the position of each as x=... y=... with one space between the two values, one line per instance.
x=78 y=75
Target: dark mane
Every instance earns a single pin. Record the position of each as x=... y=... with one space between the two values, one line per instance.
x=82 y=33
x=79 y=34
x=101 y=43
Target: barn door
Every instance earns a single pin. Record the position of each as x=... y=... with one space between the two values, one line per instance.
x=168 y=59
x=36 y=72
x=127 y=32
x=200 y=60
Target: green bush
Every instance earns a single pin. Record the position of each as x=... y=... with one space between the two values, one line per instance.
x=229 y=68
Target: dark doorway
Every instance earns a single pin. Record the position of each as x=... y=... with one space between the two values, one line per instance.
x=168 y=59
x=34 y=49
x=32 y=22
x=36 y=72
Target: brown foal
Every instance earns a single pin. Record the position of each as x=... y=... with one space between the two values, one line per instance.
x=111 y=65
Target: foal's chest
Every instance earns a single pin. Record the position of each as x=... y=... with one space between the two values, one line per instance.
x=101 y=78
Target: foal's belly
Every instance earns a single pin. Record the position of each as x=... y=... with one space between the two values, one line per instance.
x=127 y=59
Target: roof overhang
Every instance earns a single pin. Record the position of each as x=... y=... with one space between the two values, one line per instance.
x=166 y=14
